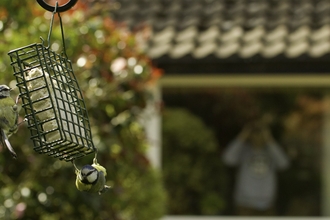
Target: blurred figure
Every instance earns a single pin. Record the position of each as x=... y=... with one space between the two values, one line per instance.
x=258 y=157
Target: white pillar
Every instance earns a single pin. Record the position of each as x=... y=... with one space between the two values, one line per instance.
x=152 y=123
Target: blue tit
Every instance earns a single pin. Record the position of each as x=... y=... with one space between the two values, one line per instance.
x=8 y=117
x=91 y=178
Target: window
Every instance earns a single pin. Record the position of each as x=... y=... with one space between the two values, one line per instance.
x=296 y=109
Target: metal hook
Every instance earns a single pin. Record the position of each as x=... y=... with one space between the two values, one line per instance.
x=51 y=28
x=62 y=8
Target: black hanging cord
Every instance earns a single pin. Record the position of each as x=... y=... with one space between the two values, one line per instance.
x=62 y=8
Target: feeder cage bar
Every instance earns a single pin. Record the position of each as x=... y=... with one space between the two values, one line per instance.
x=53 y=102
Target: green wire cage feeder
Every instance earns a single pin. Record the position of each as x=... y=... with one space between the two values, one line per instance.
x=52 y=100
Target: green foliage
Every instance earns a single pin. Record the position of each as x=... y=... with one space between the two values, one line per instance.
x=114 y=76
x=190 y=159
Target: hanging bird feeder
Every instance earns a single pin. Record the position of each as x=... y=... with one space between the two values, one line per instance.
x=52 y=100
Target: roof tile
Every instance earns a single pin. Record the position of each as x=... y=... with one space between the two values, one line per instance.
x=231 y=28
x=210 y=34
x=273 y=49
x=204 y=50
x=181 y=49
x=320 y=48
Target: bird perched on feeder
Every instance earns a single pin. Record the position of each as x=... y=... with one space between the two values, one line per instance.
x=8 y=117
x=91 y=178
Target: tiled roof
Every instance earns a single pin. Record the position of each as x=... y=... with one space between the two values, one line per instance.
x=231 y=29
